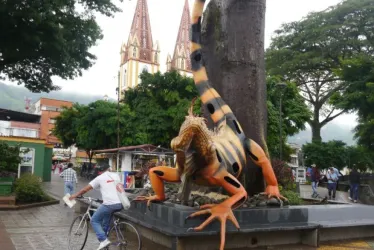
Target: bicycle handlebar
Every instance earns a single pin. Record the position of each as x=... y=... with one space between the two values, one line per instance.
x=89 y=198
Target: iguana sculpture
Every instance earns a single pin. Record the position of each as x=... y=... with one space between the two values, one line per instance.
x=211 y=158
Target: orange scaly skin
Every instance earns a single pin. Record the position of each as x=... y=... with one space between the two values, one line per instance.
x=212 y=158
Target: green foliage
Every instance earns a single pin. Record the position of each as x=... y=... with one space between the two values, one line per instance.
x=337 y=154
x=311 y=52
x=10 y=158
x=160 y=103
x=325 y=154
x=359 y=96
x=94 y=126
x=295 y=114
x=28 y=188
x=49 y=38
x=292 y=196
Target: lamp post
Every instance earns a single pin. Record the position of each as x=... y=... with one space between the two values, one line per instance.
x=118 y=94
x=282 y=86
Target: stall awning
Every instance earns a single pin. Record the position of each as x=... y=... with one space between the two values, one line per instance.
x=145 y=148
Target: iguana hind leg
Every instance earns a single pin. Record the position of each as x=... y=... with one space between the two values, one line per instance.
x=158 y=175
x=259 y=157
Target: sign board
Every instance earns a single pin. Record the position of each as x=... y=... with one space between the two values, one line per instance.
x=301 y=174
x=27 y=162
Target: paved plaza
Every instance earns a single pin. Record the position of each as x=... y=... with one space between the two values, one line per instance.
x=46 y=228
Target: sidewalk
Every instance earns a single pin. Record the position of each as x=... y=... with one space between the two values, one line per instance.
x=56 y=187
x=306 y=193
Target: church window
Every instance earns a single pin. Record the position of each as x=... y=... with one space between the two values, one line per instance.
x=145 y=69
x=156 y=57
x=134 y=52
x=182 y=63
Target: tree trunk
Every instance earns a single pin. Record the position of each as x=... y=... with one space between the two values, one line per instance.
x=316 y=125
x=233 y=50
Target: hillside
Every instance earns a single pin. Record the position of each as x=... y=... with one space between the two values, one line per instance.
x=12 y=97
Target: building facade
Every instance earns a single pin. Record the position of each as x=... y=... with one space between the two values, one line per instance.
x=23 y=130
x=48 y=110
x=139 y=53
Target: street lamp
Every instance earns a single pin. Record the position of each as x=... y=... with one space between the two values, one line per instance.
x=281 y=86
x=118 y=94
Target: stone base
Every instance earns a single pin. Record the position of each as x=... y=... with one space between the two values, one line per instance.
x=165 y=224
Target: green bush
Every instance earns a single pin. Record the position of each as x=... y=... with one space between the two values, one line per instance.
x=28 y=188
x=293 y=197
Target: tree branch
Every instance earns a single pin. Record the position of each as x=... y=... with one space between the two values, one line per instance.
x=329 y=119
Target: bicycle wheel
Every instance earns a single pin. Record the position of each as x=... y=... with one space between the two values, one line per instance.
x=78 y=233
x=125 y=236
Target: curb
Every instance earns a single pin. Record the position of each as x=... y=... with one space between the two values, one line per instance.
x=39 y=204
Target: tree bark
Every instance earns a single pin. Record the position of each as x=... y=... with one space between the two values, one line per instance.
x=316 y=125
x=233 y=50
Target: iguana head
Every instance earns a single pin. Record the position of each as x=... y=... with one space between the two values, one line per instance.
x=193 y=120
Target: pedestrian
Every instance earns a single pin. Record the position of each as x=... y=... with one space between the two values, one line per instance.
x=111 y=203
x=70 y=178
x=332 y=178
x=354 y=181
x=315 y=176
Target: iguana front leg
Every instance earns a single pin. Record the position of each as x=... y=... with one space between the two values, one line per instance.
x=222 y=211
x=157 y=176
x=257 y=154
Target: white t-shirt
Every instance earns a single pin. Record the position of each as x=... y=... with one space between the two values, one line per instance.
x=105 y=183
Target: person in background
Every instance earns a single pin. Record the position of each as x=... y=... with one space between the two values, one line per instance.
x=314 y=177
x=70 y=178
x=354 y=181
x=332 y=178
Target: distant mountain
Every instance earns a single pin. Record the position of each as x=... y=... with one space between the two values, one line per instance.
x=331 y=131
x=13 y=97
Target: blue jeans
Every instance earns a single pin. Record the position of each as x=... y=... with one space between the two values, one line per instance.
x=314 y=187
x=101 y=219
x=69 y=187
x=332 y=187
x=354 y=191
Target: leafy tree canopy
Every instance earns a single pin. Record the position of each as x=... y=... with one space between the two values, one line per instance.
x=41 y=39
x=337 y=154
x=160 y=103
x=295 y=113
x=311 y=51
x=94 y=126
x=10 y=158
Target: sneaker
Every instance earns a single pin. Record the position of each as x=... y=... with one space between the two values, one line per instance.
x=355 y=201
x=104 y=244
x=350 y=198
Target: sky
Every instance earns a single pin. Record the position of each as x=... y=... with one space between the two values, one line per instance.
x=165 y=16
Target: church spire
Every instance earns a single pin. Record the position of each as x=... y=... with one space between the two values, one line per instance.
x=140 y=43
x=181 y=59
x=139 y=53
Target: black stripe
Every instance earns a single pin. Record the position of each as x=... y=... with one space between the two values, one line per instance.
x=196 y=60
x=202 y=87
x=195 y=32
x=238 y=153
x=228 y=161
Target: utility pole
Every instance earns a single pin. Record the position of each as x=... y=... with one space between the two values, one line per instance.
x=119 y=94
x=281 y=86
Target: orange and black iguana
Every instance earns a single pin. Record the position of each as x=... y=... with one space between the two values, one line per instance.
x=211 y=158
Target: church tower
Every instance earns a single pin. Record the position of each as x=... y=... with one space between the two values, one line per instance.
x=181 y=57
x=139 y=53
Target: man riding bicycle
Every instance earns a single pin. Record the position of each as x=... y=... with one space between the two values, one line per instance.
x=111 y=203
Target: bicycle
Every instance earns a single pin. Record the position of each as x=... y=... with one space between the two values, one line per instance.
x=116 y=233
